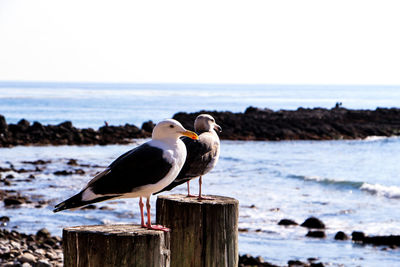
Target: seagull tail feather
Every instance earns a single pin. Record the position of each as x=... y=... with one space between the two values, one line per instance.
x=76 y=202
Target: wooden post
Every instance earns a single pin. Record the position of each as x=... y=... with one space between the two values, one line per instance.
x=115 y=245
x=203 y=233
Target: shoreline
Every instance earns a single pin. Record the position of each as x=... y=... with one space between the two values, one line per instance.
x=253 y=124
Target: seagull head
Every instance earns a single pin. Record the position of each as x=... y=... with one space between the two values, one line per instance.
x=171 y=128
x=206 y=123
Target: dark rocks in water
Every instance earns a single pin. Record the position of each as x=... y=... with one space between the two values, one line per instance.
x=341 y=236
x=24 y=124
x=316 y=234
x=148 y=126
x=253 y=124
x=384 y=240
x=357 y=236
x=287 y=222
x=3 y=124
x=388 y=240
x=72 y=162
x=313 y=222
x=4 y=220
x=89 y=207
x=302 y=124
x=24 y=133
x=297 y=263
x=79 y=171
x=15 y=200
x=63 y=172
x=37 y=162
x=248 y=260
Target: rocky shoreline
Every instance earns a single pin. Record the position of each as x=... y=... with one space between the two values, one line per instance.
x=253 y=124
x=302 y=124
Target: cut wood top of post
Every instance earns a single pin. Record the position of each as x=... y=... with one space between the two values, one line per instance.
x=114 y=229
x=216 y=200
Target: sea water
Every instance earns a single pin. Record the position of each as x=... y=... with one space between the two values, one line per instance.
x=350 y=185
x=91 y=104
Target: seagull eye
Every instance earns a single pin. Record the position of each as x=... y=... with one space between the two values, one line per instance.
x=171 y=126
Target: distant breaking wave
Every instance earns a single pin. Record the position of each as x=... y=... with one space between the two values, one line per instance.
x=382 y=190
x=392 y=192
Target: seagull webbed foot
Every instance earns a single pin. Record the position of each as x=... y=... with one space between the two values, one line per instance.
x=158 y=227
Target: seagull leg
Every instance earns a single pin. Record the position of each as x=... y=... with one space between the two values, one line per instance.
x=153 y=227
x=188 y=189
x=141 y=205
x=200 y=196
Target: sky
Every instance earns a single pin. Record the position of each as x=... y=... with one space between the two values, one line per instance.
x=252 y=41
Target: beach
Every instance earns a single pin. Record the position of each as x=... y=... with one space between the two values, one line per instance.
x=349 y=182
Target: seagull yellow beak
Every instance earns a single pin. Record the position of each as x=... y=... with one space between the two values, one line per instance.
x=190 y=134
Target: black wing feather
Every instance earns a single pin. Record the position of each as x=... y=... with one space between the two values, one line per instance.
x=141 y=166
x=138 y=167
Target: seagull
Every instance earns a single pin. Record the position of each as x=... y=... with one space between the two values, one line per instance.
x=139 y=172
x=202 y=154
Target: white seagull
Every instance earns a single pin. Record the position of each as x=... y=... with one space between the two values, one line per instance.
x=202 y=154
x=139 y=172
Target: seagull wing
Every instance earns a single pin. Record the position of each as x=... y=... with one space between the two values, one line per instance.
x=136 y=168
x=200 y=153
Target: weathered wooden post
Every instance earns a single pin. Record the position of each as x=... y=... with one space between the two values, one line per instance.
x=203 y=233
x=115 y=245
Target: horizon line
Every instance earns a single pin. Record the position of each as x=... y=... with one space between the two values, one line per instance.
x=189 y=83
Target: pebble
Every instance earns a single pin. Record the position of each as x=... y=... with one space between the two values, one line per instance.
x=27 y=257
x=18 y=249
x=43 y=263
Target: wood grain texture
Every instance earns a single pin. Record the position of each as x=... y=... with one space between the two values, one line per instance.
x=115 y=245
x=203 y=233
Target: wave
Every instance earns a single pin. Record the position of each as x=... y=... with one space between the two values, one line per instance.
x=327 y=181
x=382 y=190
x=392 y=192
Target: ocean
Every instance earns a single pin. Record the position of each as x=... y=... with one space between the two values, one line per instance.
x=351 y=185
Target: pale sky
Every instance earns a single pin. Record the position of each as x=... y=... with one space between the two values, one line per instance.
x=251 y=41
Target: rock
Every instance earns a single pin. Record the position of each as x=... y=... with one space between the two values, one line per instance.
x=24 y=124
x=4 y=220
x=43 y=234
x=294 y=263
x=148 y=126
x=26 y=264
x=106 y=208
x=316 y=234
x=43 y=263
x=318 y=264
x=392 y=241
x=14 y=201
x=27 y=257
x=341 y=236
x=73 y=162
x=79 y=171
x=357 y=236
x=15 y=245
x=63 y=172
x=248 y=260
x=313 y=222
x=37 y=162
x=287 y=222
x=89 y=207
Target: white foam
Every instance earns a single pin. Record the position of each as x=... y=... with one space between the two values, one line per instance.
x=382 y=190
